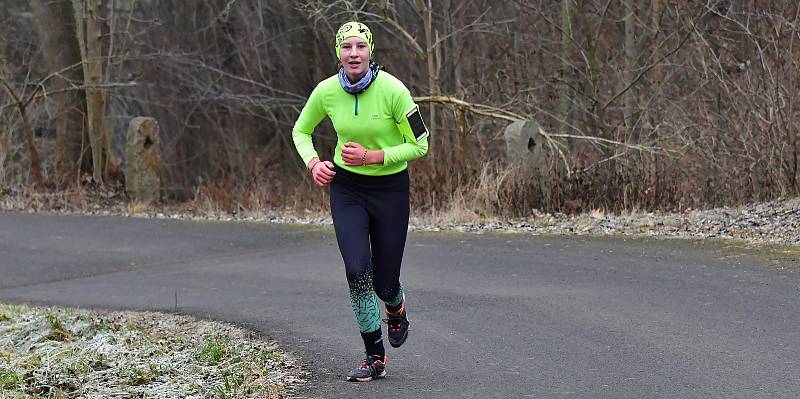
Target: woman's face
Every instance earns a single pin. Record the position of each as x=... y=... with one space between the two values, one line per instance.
x=354 y=56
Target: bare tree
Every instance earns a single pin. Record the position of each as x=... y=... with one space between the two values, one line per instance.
x=567 y=51
x=661 y=104
x=56 y=30
x=22 y=107
x=88 y=17
x=631 y=70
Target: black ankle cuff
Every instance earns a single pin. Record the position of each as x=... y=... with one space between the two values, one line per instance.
x=373 y=343
x=394 y=309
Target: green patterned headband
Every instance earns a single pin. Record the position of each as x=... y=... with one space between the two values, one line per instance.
x=351 y=29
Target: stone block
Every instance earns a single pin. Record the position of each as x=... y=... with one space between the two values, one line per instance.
x=524 y=144
x=143 y=160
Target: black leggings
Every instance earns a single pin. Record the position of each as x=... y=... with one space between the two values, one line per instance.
x=370 y=215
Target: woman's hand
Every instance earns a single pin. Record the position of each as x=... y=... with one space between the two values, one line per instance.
x=322 y=171
x=354 y=154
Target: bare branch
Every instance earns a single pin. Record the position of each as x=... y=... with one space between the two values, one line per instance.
x=497 y=113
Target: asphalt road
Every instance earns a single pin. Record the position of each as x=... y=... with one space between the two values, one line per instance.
x=493 y=316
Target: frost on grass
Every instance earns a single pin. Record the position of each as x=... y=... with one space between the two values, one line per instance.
x=58 y=353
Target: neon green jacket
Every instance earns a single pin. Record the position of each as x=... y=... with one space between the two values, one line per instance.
x=375 y=119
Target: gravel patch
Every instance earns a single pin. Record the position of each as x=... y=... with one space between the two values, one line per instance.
x=767 y=222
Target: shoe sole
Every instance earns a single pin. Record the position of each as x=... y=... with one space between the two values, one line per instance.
x=367 y=379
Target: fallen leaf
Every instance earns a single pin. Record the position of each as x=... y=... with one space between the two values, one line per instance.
x=598 y=214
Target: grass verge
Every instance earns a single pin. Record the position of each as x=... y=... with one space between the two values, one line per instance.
x=70 y=353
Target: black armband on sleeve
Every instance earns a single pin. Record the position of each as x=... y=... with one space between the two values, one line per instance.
x=417 y=125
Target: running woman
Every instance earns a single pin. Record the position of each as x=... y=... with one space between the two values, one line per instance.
x=379 y=129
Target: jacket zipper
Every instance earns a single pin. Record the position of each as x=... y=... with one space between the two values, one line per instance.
x=356 y=104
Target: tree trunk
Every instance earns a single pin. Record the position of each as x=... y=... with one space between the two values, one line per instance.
x=88 y=15
x=593 y=72
x=433 y=75
x=743 y=45
x=3 y=35
x=461 y=124
x=567 y=46
x=55 y=24
x=657 y=8
x=455 y=57
x=657 y=73
x=631 y=70
x=517 y=54
x=794 y=142
x=36 y=163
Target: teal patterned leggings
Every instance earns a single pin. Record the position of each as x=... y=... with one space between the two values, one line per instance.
x=370 y=215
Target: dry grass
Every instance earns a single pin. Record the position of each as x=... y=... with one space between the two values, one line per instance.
x=491 y=192
x=641 y=182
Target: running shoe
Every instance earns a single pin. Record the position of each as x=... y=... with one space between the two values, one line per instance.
x=398 y=326
x=369 y=369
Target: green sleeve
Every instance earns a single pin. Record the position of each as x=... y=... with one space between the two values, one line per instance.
x=411 y=148
x=311 y=115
